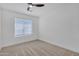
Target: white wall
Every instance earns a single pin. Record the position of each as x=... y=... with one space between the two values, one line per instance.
x=0 y=27
x=8 y=28
x=60 y=25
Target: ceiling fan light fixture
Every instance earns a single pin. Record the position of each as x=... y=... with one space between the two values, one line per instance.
x=30 y=5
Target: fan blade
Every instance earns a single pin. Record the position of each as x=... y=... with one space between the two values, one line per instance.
x=39 y=5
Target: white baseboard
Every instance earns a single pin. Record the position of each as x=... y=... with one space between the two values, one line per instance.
x=61 y=46
x=15 y=43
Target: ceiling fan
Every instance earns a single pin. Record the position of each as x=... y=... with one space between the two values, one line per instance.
x=30 y=5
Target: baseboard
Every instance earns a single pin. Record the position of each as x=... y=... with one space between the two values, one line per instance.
x=16 y=43
x=58 y=45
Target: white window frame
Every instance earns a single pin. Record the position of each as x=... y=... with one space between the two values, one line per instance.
x=25 y=31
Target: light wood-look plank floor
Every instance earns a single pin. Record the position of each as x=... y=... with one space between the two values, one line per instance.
x=36 y=48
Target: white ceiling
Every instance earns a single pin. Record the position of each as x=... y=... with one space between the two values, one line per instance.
x=22 y=8
x=19 y=7
x=47 y=10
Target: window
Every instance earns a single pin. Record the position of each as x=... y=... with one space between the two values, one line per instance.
x=23 y=27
